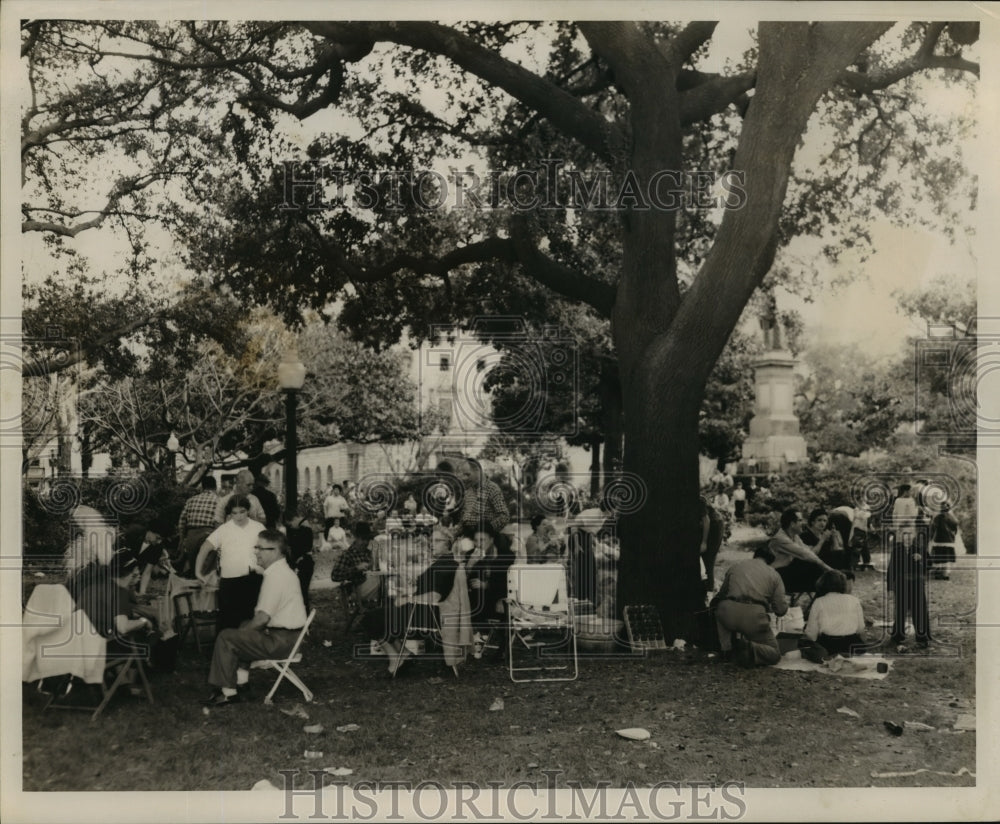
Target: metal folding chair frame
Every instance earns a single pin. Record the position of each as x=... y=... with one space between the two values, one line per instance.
x=284 y=666
x=539 y=617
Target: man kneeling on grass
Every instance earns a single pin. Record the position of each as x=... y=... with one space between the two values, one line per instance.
x=750 y=590
x=278 y=619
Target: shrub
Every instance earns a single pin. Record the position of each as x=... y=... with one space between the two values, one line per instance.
x=44 y=533
x=311 y=506
x=121 y=500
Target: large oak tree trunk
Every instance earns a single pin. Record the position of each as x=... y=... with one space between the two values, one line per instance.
x=612 y=420
x=667 y=347
x=659 y=561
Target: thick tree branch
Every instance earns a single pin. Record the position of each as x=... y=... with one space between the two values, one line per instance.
x=119 y=110
x=923 y=58
x=714 y=95
x=689 y=39
x=33 y=27
x=494 y=248
x=558 y=106
x=648 y=294
x=520 y=248
x=557 y=277
x=122 y=189
x=799 y=62
x=50 y=365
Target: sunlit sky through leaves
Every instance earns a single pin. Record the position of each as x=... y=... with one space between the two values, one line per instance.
x=854 y=301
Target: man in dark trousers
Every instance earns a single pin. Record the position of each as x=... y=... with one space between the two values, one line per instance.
x=711 y=541
x=907 y=580
x=268 y=501
x=301 y=538
x=277 y=621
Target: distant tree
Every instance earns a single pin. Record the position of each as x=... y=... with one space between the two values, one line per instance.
x=355 y=393
x=942 y=367
x=849 y=401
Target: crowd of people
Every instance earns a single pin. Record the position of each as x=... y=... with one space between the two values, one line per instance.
x=398 y=557
x=238 y=545
x=395 y=567
x=230 y=543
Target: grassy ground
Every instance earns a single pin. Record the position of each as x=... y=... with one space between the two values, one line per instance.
x=708 y=720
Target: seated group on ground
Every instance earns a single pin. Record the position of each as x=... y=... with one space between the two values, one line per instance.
x=813 y=558
x=817 y=558
x=754 y=589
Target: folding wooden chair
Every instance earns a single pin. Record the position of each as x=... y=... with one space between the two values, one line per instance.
x=194 y=621
x=284 y=666
x=125 y=665
x=538 y=603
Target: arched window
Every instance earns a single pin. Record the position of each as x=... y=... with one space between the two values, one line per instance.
x=329 y=474
x=306 y=487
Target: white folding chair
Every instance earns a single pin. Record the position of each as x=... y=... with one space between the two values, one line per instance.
x=284 y=666
x=538 y=603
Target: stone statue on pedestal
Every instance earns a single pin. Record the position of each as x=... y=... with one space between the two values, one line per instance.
x=774 y=440
x=771 y=327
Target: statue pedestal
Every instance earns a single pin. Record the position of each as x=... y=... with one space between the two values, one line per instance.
x=774 y=440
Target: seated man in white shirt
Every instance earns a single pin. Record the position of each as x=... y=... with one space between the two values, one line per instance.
x=271 y=633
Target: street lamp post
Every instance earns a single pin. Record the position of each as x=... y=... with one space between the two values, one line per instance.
x=291 y=376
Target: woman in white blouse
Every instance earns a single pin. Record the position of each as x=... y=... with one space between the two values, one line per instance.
x=239 y=576
x=836 y=622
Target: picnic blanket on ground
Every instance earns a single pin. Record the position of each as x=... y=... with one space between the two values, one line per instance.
x=861 y=667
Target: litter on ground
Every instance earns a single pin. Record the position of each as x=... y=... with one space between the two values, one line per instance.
x=962 y=771
x=634 y=733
